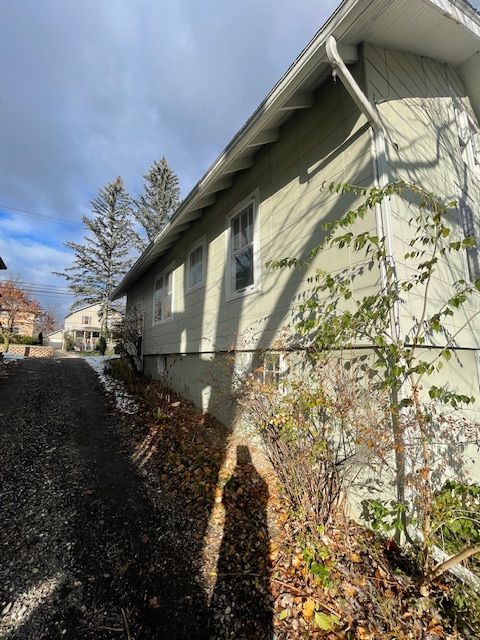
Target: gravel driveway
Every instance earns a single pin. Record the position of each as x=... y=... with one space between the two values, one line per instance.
x=79 y=538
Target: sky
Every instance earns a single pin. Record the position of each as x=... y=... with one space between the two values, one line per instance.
x=99 y=88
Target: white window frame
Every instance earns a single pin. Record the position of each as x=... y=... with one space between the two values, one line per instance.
x=251 y=199
x=87 y=320
x=162 y=274
x=200 y=243
x=259 y=364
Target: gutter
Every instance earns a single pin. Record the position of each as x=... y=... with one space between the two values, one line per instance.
x=303 y=67
x=383 y=211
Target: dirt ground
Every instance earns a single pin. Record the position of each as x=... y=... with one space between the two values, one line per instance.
x=85 y=552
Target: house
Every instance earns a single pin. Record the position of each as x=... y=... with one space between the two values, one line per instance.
x=387 y=89
x=83 y=326
x=54 y=339
x=24 y=322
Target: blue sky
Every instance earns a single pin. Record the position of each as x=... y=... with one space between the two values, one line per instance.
x=99 y=88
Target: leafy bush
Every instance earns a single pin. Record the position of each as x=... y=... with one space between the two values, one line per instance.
x=461 y=603
x=101 y=345
x=121 y=369
x=21 y=339
x=313 y=433
x=456 y=519
x=128 y=335
x=69 y=343
x=336 y=314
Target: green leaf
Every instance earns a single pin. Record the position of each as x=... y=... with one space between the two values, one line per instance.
x=324 y=621
x=283 y=614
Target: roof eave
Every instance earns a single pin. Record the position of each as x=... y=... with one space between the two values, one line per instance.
x=311 y=56
x=252 y=135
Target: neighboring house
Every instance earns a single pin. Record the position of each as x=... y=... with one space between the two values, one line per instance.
x=24 y=323
x=54 y=339
x=84 y=326
x=410 y=112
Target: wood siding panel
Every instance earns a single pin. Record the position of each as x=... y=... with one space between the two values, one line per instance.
x=417 y=99
x=328 y=142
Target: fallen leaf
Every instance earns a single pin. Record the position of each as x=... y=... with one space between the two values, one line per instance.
x=308 y=608
x=324 y=621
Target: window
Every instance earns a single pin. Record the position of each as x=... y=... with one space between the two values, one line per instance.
x=242 y=249
x=272 y=369
x=269 y=367
x=196 y=265
x=86 y=319
x=16 y=330
x=163 y=297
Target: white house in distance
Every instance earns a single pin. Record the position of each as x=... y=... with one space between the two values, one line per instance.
x=84 y=328
x=387 y=90
x=54 y=339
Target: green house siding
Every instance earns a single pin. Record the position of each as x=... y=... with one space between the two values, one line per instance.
x=327 y=142
x=417 y=99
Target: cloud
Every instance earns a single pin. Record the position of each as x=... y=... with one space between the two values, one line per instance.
x=95 y=89
x=32 y=264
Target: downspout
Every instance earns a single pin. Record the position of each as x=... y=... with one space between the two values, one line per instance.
x=383 y=211
x=383 y=217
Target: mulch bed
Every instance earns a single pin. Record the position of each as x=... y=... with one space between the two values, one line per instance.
x=260 y=578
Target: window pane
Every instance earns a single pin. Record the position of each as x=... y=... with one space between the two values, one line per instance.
x=247 y=227
x=168 y=305
x=157 y=312
x=168 y=282
x=157 y=304
x=236 y=241
x=243 y=268
x=195 y=274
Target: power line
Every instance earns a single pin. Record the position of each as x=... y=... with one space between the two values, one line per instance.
x=41 y=285
x=51 y=294
x=49 y=291
x=43 y=290
x=36 y=285
x=42 y=216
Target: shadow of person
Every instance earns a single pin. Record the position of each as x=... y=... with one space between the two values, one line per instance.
x=241 y=605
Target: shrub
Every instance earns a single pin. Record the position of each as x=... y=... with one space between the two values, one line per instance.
x=128 y=335
x=101 y=345
x=21 y=339
x=120 y=369
x=456 y=519
x=313 y=432
x=69 y=343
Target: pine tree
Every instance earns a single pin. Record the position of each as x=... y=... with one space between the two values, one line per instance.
x=160 y=198
x=104 y=258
